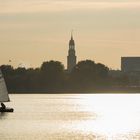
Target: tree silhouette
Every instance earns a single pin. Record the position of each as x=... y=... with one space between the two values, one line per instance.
x=87 y=74
x=53 y=74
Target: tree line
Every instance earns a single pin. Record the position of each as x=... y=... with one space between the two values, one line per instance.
x=51 y=77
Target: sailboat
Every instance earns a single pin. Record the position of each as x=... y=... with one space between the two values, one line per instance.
x=4 y=97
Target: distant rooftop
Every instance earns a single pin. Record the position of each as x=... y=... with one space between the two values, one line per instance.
x=130 y=64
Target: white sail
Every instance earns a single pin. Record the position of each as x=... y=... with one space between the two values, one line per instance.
x=3 y=90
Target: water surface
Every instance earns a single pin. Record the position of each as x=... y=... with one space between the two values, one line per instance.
x=72 y=117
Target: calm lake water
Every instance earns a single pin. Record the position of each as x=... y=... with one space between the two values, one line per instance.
x=72 y=117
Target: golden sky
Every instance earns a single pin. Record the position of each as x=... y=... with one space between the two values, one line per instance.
x=33 y=31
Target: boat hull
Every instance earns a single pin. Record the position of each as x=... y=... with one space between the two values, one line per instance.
x=7 y=110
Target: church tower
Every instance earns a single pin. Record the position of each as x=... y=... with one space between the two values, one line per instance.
x=71 y=58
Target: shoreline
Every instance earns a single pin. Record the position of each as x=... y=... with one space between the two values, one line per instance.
x=97 y=90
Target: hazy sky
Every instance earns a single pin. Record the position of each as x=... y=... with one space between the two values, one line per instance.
x=33 y=31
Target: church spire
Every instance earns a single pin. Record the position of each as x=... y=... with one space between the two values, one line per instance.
x=71 y=58
x=71 y=34
x=71 y=42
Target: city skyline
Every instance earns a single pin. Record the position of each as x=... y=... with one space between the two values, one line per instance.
x=38 y=31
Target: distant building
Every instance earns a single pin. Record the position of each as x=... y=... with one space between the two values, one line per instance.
x=71 y=58
x=130 y=64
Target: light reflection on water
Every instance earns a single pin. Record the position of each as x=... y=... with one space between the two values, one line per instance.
x=72 y=116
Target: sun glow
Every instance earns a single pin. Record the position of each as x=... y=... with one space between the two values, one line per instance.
x=114 y=116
